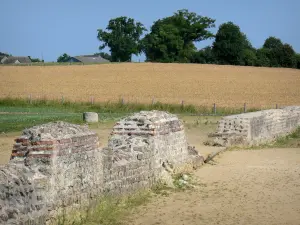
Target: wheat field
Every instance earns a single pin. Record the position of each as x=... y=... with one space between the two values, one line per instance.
x=227 y=86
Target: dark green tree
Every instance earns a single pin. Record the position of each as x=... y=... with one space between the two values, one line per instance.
x=204 y=56
x=104 y=55
x=3 y=54
x=123 y=38
x=35 y=59
x=63 y=58
x=230 y=45
x=274 y=45
x=262 y=57
x=172 y=38
x=249 y=57
x=287 y=56
x=297 y=61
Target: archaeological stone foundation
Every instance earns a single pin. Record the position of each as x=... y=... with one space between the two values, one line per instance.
x=256 y=128
x=60 y=165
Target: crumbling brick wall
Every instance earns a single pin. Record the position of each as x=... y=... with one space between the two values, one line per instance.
x=60 y=165
x=257 y=127
x=141 y=146
x=63 y=163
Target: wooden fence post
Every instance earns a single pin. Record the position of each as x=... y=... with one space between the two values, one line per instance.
x=245 y=107
x=62 y=99
x=276 y=106
x=182 y=103
x=215 y=109
x=30 y=98
x=92 y=100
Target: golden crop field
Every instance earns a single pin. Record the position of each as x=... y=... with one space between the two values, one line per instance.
x=229 y=86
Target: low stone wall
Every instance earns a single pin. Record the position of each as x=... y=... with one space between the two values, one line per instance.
x=257 y=127
x=140 y=148
x=60 y=165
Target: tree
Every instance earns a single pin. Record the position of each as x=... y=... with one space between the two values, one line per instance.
x=63 y=58
x=35 y=59
x=172 y=38
x=104 y=55
x=274 y=45
x=230 y=45
x=123 y=38
x=3 y=54
x=297 y=61
x=204 y=56
x=262 y=57
x=287 y=56
x=250 y=58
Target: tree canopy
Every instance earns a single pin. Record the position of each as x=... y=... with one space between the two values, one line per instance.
x=172 y=38
x=122 y=37
x=63 y=58
x=231 y=46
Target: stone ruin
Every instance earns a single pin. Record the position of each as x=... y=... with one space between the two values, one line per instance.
x=60 y=165
x=256 y=128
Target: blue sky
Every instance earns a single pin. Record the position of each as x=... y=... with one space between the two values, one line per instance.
x=52 y=27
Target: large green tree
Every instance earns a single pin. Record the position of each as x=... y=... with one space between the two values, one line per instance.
x=287 y=56
x=172 y=38
x=63 y=58
x=274 y=45
x=122 y=37
x=230 y=45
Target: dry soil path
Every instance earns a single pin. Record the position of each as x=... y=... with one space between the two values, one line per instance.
x=244 y=187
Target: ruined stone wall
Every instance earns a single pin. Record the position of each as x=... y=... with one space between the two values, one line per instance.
x=63 y=163
x=60 y=165
x=257 y=127
x=141 y=147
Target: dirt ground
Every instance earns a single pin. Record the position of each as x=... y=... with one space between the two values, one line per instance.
x=244 y=187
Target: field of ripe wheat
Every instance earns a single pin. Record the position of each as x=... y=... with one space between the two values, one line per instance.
x=229 y=86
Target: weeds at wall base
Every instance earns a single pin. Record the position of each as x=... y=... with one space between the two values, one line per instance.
x=291 y=140
x=111 y=210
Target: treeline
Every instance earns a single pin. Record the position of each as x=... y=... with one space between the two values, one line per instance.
x=172 y=39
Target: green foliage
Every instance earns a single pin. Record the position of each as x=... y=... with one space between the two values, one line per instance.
x=262 y=57
x=250 y=57
x=104 y=55
x=3 y=54
x=287 y=57
x=63 y=58
x=297 y=56
x=123 y=38
x=204 y=56
x=272 y=43
x=230 y=45
x=279 y=54
x=35 y=60
x=172 y=38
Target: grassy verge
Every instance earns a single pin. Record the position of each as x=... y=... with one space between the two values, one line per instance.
x=17 y=114
x=111 y=210
x=112 y=107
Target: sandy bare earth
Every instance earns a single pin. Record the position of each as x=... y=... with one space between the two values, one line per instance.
x=244 y=187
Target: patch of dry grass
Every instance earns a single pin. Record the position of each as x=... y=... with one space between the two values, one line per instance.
x=228 y=86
